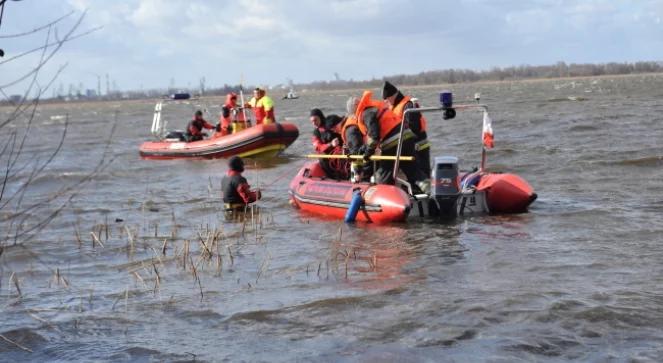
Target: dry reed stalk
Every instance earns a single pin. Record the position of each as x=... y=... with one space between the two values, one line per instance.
x=219 y=264
x=185 y=253
x=130 y=240
x=60 y=279
x=96 y=239
x=163 y=247
x=16 y=344
x=77 y=233
x=319 y=265
x=263 y=266
x=126 y=300
x=48 y=323
x=156 y=229
x=196 y=278
x=140 y=278
x=106 y=228
x=173 y=228
x=206 y=250
x=14 y=279
x=157 y=281
x=230 y=253
x=157 y=256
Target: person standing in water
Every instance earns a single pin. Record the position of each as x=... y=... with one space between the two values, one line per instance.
x=237 y=193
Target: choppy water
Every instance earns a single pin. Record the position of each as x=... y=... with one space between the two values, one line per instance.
x=579 y=277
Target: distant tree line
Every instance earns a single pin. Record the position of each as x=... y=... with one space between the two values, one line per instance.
x=446 y=76
x=558 y=70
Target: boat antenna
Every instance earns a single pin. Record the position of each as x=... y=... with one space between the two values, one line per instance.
x=241 y=98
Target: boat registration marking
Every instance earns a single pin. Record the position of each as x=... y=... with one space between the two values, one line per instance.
x=329 y=190
x=177 y=146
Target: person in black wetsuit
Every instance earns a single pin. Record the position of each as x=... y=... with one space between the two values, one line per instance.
x=194 y=131
x=237 y=193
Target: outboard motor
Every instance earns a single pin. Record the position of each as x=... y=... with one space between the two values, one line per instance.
x=445 y=188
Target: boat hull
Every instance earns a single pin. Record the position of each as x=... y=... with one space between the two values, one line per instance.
x=506 y=193
x=257 y=141
x=311 y=192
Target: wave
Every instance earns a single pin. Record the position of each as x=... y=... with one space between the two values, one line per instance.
x=584 y=128
x=644 y=161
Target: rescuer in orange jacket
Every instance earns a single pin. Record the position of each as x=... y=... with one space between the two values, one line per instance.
x=353 y=134
x=237 y=192
x=354 y=143
x=263 y=107
x=383 y=130
x=230 y=112
x=416 y=122
x=194 y=130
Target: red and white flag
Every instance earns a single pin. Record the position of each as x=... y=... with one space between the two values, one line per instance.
x=487 y=131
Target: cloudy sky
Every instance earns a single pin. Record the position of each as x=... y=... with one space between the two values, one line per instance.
x=146 y=43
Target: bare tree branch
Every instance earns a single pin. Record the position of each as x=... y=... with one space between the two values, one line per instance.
x=35 y=30
x=57 y=47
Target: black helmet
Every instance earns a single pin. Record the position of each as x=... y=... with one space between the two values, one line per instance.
x=236 y=163
x=199 y=113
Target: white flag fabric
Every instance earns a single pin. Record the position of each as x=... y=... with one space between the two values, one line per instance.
x=487 y=135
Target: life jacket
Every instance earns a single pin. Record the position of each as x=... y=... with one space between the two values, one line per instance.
x=399 y=109
x=230 y=113
x=263 y=109
x=229 y=185
x=349 y=122
x=387 y=119
x=422 y=142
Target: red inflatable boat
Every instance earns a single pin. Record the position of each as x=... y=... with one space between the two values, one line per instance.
x=257 y=141
x=451 y=193
x=311 y=191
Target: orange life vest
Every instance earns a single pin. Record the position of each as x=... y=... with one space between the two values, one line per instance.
x=352 y=121
x=388 y=120
x=399 y=109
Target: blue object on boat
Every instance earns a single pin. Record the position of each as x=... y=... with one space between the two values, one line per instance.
x=180 y=96
x=446 y=99
x=470 y=180
x=353 y=209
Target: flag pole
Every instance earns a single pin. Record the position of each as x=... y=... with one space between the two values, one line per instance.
x=477 y=98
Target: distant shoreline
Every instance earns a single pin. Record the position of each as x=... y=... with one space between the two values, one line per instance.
x=490 y=82
x=277 y=95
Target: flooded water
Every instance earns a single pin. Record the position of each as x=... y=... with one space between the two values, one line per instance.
x=578 y=277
